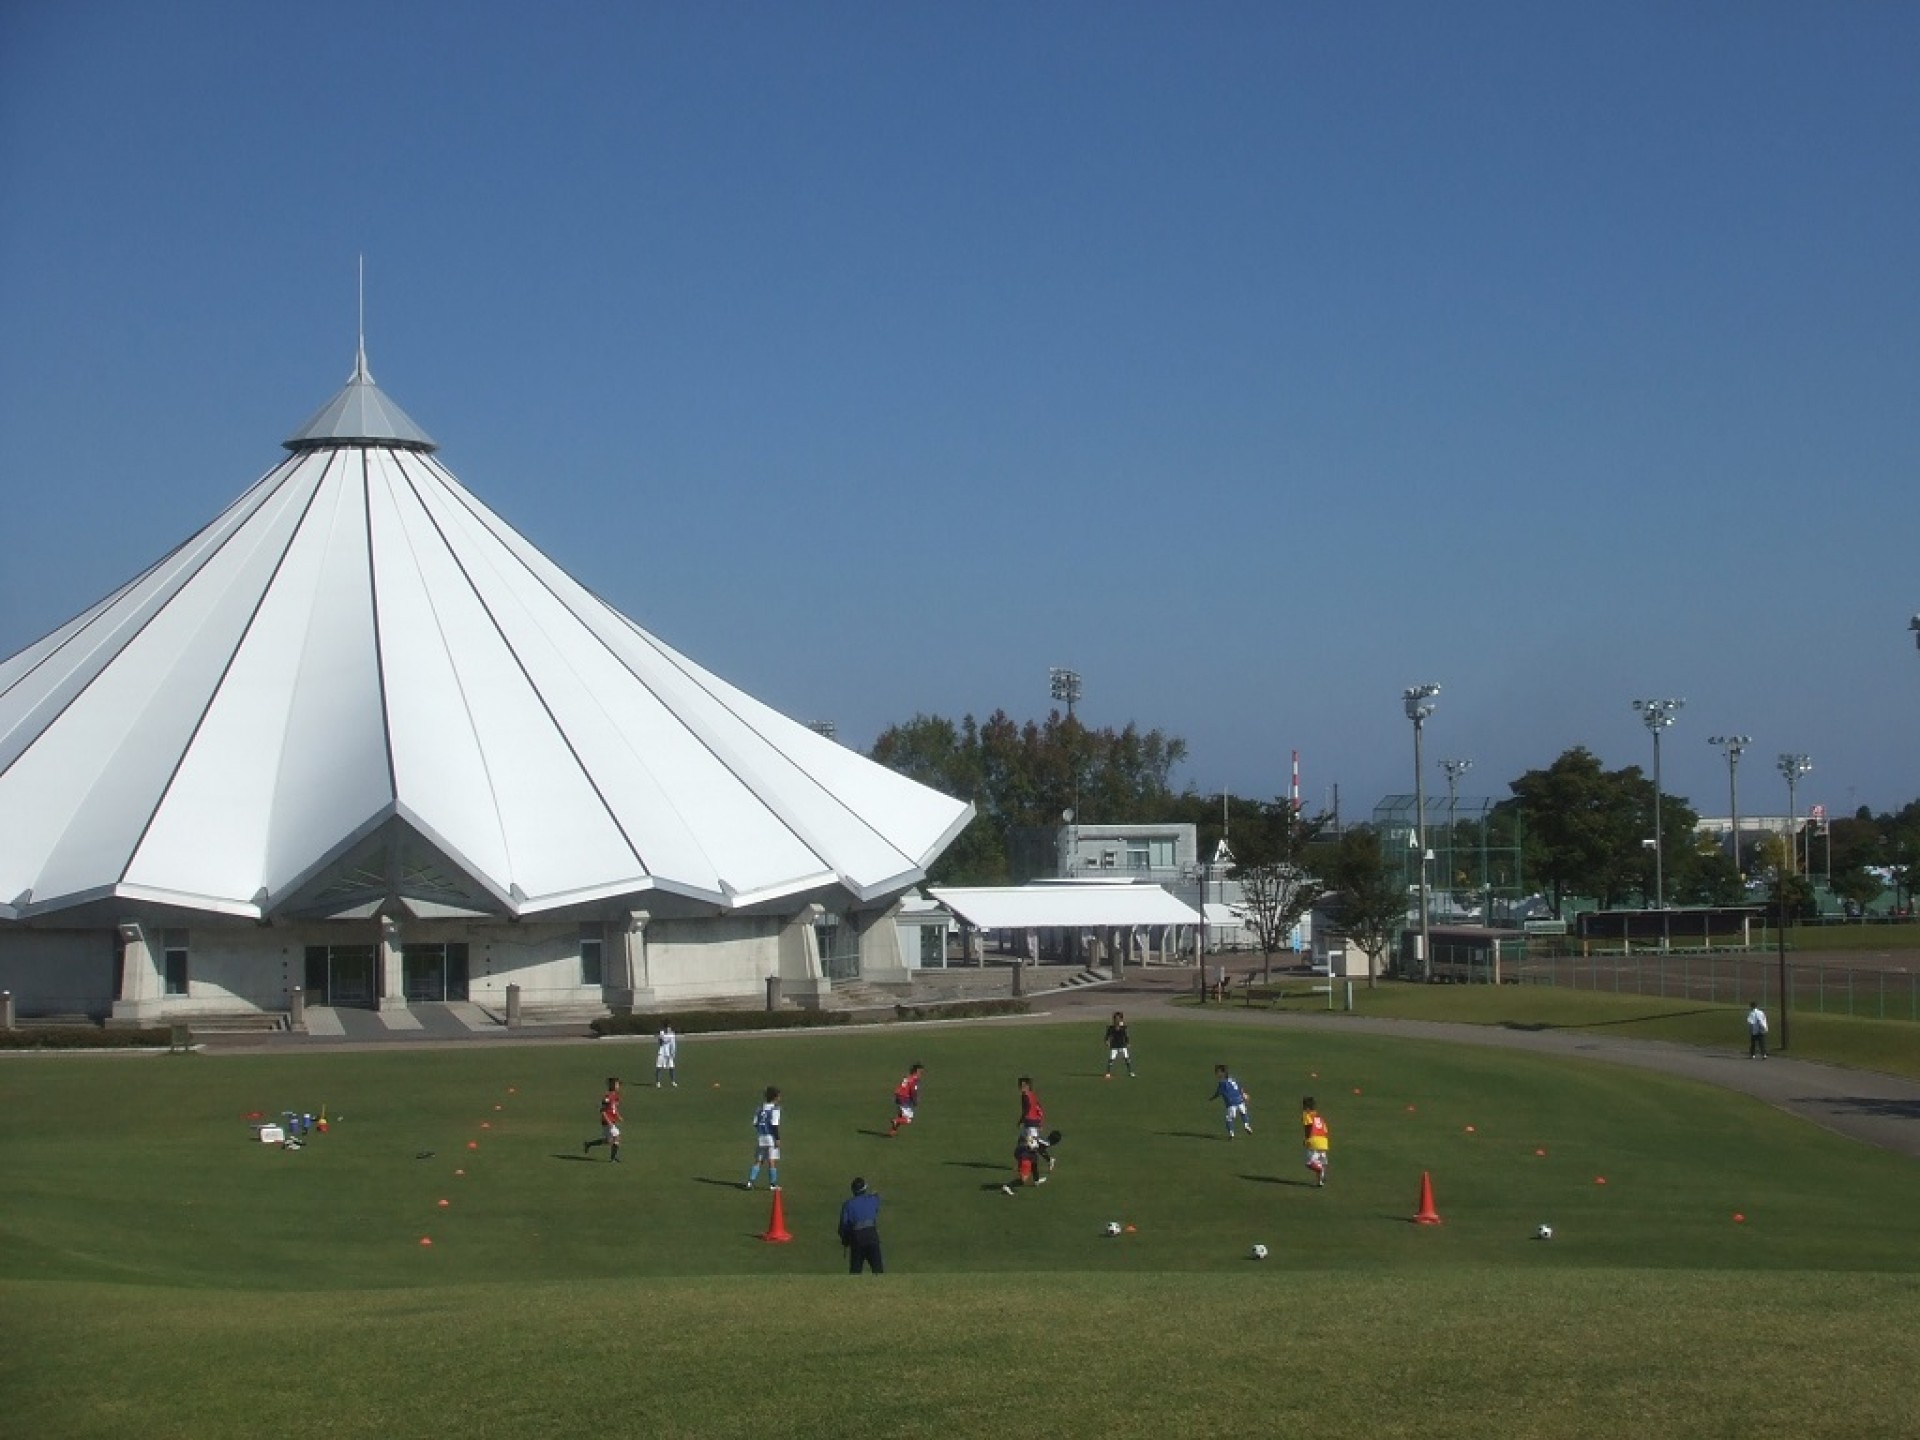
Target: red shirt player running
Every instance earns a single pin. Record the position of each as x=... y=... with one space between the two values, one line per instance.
x=906 y=1095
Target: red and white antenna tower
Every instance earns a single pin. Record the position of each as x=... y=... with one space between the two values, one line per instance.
x=1293 y=790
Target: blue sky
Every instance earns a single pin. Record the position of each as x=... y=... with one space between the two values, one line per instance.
x=1256 y=361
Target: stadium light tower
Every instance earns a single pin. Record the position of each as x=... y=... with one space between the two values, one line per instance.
x=1455 y=769
x=1792 y=767
x=1419 y=703
x=1657 y=715
x=1733 y=745
x=1064 y=685
x=1914 y=625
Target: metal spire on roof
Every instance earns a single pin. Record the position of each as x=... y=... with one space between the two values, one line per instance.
x=360 y=414
x=360 y=371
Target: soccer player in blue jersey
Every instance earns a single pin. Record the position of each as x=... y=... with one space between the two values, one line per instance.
x=1234 y=1095
x=766 y=1140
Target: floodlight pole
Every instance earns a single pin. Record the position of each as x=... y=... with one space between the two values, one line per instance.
x=1064 y=684
x=1657 y=715
x=1455 y=769
x=1419 y=702
x=1734 y=746
x=1792 y=766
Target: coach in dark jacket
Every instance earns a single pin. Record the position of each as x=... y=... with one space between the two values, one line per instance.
x=860 y=1230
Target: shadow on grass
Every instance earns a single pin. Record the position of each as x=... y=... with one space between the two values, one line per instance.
x=576 y=1157
x=1279 y=1180
x=1535 y=1026
x=973 y=1165
x=1864 y=1105
x=723 y=1184
x=876 y=1134
x=1191 y=1134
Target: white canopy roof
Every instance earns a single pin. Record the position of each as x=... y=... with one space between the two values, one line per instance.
x=357 y=670
x=1039 y=907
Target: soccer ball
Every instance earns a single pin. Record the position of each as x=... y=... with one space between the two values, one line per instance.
x=1113 y=1227
x=1545 y=1232
x=1259 y=1252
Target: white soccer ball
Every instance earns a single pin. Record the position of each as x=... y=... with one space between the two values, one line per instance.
x=1545 y=1232
x=1259 y=1252
x=1113 y=1227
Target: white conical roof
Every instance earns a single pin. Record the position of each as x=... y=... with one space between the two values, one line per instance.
x=358 y=644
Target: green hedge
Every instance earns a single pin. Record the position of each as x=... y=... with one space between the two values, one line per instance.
x=85 y=1037
x=961 y=1009
x=695 y=1022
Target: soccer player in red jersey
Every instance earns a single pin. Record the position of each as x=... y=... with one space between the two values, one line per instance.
x=906 y=1096
x=609 y=1120
x=1032 y=1116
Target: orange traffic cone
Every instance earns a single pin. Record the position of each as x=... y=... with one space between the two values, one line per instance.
x=777 y=1226
x=1428 y=1215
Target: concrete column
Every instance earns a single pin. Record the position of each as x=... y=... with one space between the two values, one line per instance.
x=799 y=963
x=393 y=993
x=513 y=1007
x=881 y=962
x=1124 y=953
x=1032 y=957
x=142 y=986
x=297 y=1009
x=1019 y=980
x=630 y=986
x=6 y=1010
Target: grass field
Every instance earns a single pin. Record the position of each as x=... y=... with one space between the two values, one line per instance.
x=160 y=1273
x=1892 y=1046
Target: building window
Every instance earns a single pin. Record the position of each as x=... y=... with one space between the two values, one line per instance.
x=174 y=961
x=933 y=947
x=592 y=948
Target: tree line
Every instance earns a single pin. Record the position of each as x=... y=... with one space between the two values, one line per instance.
x=1573 y=828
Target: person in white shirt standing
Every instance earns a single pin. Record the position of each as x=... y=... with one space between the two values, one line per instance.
x=666 y=1058
x=1756 y=1033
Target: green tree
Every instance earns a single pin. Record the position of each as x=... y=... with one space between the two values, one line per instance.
x=1367 y=902
x=1022 y=775
x=1581 y=827
x=1277 y=885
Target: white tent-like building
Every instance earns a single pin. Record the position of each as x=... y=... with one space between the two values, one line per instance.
x=358 y=737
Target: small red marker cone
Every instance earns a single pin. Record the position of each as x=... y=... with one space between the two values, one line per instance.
x=1540 y=1152
x=460 y=1172
x=426 y=1240
x=1356 y=1089
x=1738 y=1218
x=1133 y=1229
x=473 y=1144
x=1428 y=1215
x=1470 y=1130
x=777 y=1227
x=445 y=1203
x=1599 y=1179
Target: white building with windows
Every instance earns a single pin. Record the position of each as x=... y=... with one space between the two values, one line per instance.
x=358 y=739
